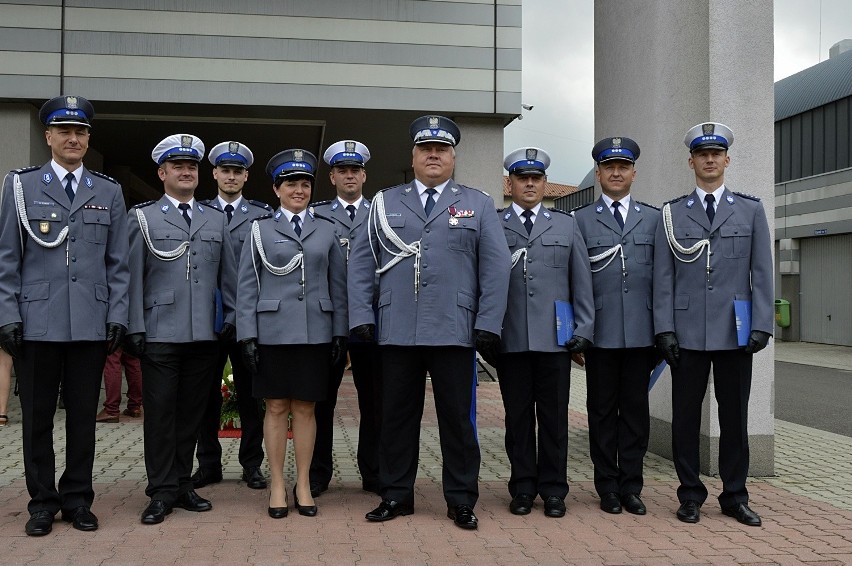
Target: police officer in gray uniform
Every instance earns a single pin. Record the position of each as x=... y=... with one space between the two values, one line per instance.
x=619 y=234
x=180 y=253
x=63 y=306
x=348 y=160
x=549 y=265
x=444 y=276
x=713 y=249
x=231 y=160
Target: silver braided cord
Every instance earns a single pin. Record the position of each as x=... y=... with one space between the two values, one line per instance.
x=610 y=253
x=405 y=250
x=675 y=246
x=345 y=242
x=21 y=206
x=169 y=255
x=273 y=269
x=516 y=257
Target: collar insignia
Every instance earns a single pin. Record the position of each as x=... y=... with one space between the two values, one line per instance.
x=46 y=178
x=89 y=182
x=599 y=208
x=335 y=205
x=636 y=208
x=730 y=199
x=278 y=215
x=244 y=208
x=164 y=208
x=546 y=214
x=690 y=202
x=507 y=216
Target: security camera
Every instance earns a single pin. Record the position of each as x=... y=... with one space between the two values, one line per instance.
x=527 y=106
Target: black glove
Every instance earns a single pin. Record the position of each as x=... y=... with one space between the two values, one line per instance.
x=365 y=332
x=251 y=357
x=488 y=346
x=114 y=336
x=12 y=338
x=338 y=350
x=227 y=333
x=134 y=344
x=578 y=344
x=757 y=341
x=668 y=345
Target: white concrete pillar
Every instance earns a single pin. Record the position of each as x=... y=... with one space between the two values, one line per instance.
x=24 y=144
x=479 y=155
x=662 y=66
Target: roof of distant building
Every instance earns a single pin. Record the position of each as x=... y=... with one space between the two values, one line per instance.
x=815 y=86
x=551 y=190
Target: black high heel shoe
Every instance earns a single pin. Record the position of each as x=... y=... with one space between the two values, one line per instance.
x=277 y=512
x=306 y=510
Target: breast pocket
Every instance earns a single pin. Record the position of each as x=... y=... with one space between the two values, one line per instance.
x=599 y=243
x=96 y=226
x=511 y=239
x=643 y=246
x=462 y=236
x=736 y=240
x=688 y=237
x=557 y=249
x=46 y=220
x=167 y=239
x=211 y=244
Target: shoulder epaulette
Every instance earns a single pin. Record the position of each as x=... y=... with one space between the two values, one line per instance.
x=262 y=205
x=560 y=211
x=102 y=176
x=206 y=202
x=648 y=205
x=582 y=206
x=393 y=187
x=674 y=200
x=262 y=217
x=749 y=197
x=25 y=169
x=144 y=204
x=499 y=210
x=321 y=217
x=211 y=207
x=322 y=203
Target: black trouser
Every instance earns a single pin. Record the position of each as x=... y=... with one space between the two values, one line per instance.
x=209 y=451
x=732 y=386
x=40 y=368
x=175 y=386
x=403 y=392
x=536 y=387
x=366 y=373
x=619 y=420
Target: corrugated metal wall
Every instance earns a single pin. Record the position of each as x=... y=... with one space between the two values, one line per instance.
x=826 y=289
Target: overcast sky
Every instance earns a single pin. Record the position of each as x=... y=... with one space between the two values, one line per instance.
x=558 y=71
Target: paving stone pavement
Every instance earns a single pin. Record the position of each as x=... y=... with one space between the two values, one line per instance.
x=807 y=515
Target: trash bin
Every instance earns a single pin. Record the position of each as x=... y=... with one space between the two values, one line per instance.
x=782 y=313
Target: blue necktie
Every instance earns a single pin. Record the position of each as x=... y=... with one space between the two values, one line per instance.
x=184 y=207
x=297 y=224
x=430 y=201
x=229 y=210
x=350 y=208
x=616 y=211
x=711 y=210
x=69 y=189
x=528 y=223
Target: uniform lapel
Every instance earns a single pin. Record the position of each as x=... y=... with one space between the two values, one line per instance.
x=85 y=191
x=199 y=218
x=172 y=215
x=542 y=224
x=634 y=217
x=53 y=188
x=283 y=227
x=340 y=215
x=606 y=218
x=696 y=211
x=309 y=225
x=514 y=223
x=411 y=200
x=361 y=214
x=449 y=196
x=724 y=209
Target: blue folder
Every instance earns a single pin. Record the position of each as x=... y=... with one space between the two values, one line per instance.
x=564 y=322
x=742 y=315
x=656 y=373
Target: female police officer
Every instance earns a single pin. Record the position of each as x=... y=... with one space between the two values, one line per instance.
x=291 y=319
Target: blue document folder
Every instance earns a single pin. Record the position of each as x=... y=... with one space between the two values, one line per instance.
x=219 y=319
x=656 y=373
x=742 y=315
x=564 y=322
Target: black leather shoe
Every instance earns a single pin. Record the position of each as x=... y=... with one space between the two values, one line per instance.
x=191 y=501
x=306 y=510
x=277 y=512
x=39 y=524
x=388 y=510
x=463 y=516
x=203 y=477
x=155 y=512
x=554 y=507
x=742 y=513
x=689 y=511
x=254 y=478
x=633 y=504
x=318 y=489
x=81 y=519
x=610 y=503
x=521 y=504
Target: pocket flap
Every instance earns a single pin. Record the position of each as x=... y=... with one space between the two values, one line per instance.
x=165 y=297
x=735 y=231
x=101 y=292
x=384 y=299
x=35 y=291
x=168 y=234
x=467 y=301
x=681 y=302
x=268 y=305
x=643 y=239
x=555 y=240
x=211 y=236
x=96 y=217
x=511 y=239
x=396 y=221
x=599 y=240
x=326 y=305
x=688 y=233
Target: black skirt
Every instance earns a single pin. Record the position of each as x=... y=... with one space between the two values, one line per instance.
x=293 y=371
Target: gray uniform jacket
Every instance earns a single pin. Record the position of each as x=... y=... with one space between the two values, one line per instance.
x=557 y=269
x=623 y=299
x=175 y=301
x=347 y=230
x=464 y=269
x=280 y=309
x=240 y=224
x=699 y=306
x=69 y=292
